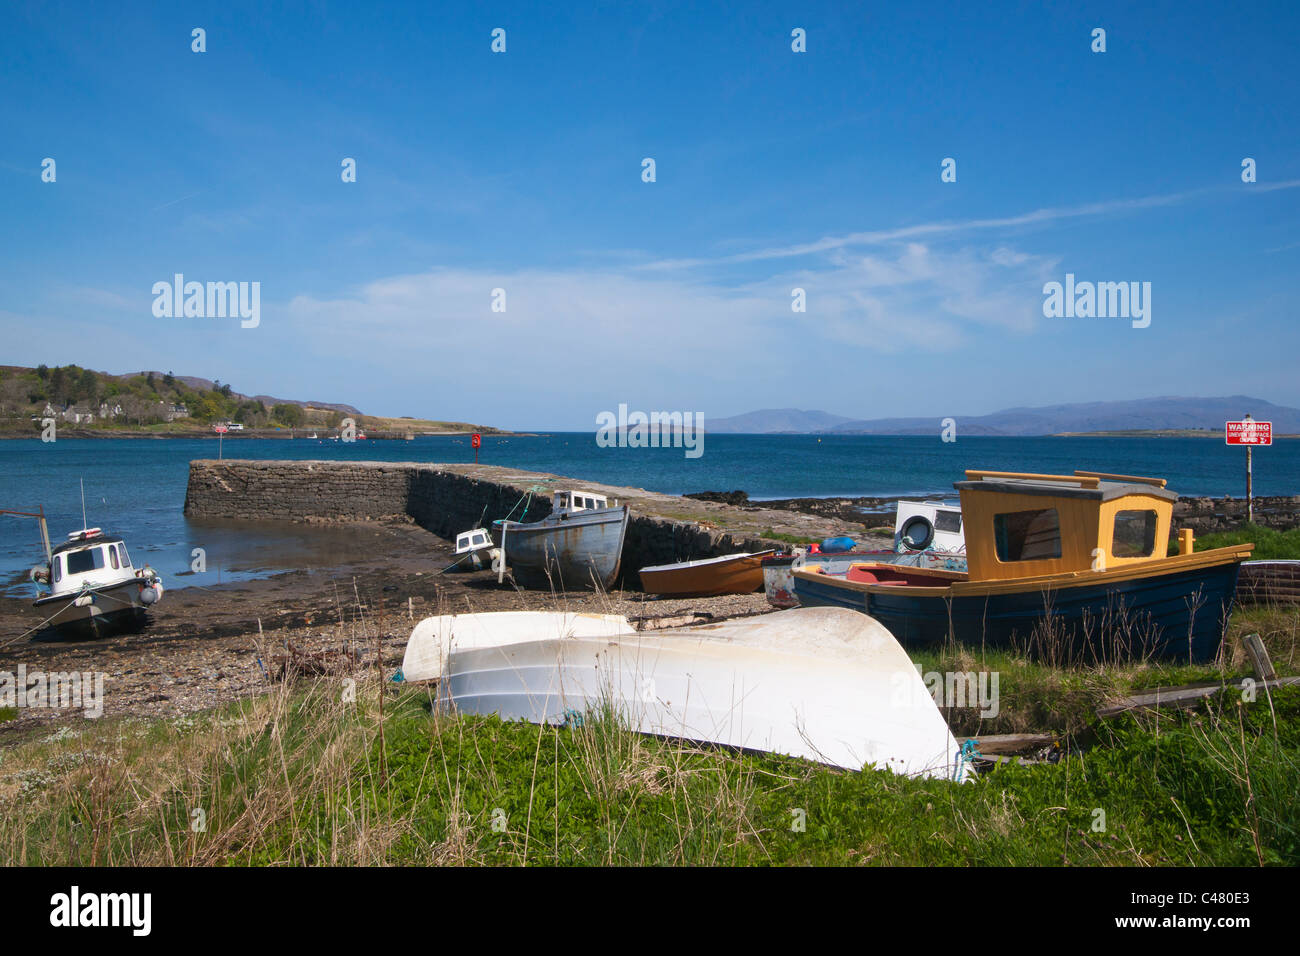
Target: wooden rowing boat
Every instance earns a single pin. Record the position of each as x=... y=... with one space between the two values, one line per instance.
x=729 y=574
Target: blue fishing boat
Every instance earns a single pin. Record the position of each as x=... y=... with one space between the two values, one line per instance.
x=1065 y=567
x=926 y=535
x=579 y=545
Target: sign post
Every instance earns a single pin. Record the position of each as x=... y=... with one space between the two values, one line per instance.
x=476 y=441
x=220 y=430
x=1250 y=433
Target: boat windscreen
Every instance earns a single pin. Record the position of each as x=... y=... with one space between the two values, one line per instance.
x=88 y=559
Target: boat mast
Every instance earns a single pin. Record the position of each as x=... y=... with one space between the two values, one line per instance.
x=39 y=515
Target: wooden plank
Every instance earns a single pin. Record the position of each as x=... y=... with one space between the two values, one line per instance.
x=1136 y=479
x=1186 y=696
x=1259 y=656
x=991 y=744
x=1084 y=481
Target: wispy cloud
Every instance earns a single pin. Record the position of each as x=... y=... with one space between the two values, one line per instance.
x=948 y=228
x=175 y=201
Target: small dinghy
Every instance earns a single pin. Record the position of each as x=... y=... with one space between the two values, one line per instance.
x=825 y=684
x=729 y=574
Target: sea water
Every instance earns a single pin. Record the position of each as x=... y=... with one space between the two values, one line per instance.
x=136 y=487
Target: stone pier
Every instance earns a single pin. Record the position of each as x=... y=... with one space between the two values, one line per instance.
x=447 y=499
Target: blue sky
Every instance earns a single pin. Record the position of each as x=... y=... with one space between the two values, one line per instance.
x=775 y=170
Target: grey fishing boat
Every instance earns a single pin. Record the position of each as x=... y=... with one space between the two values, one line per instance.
x=579 y=545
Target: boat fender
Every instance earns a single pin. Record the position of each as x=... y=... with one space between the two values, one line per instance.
x=149 y=595
x=917 y=534
x=85 y=600
x=498 y=560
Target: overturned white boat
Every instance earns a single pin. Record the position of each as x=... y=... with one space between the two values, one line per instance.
x=434 y=638
x=826 y=684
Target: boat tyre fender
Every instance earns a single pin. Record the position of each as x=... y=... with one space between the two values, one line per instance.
x=917 y=533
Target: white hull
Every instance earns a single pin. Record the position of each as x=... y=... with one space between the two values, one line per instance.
x=109 y=605
x=480 y=559
x=434 y=638
x=825 y=684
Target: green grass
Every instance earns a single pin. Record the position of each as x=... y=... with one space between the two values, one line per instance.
x=297 y=777
x=309 y=774
x=771 y=535
x=1270 y=544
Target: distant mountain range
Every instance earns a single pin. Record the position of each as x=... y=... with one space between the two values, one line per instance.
x=1167 y=413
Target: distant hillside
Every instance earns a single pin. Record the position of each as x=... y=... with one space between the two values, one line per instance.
x=205 y=385
x=775 y=421
x=101 y=403
x=1148 y=414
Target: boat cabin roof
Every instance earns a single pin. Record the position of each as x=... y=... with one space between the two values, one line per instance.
x=86 y=542
x=1088 y=485
x=575 y=499
x=1018 y=525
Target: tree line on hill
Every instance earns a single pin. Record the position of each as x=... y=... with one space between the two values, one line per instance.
x=88 y=397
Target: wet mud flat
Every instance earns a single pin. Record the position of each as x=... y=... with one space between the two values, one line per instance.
x=208 y=645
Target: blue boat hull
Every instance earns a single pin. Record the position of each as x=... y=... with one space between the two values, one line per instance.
x=1179 y=616
x=570 y=552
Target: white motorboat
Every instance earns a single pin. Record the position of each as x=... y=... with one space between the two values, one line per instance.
x=93 y=584
x=827 y=684
x=474 y=551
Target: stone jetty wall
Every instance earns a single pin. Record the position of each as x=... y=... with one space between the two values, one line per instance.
x=1206 y=515
x=447 y=499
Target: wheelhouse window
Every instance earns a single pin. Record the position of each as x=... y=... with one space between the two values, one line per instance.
x=112 y=557
x=121 y=553
x=947 y=521
x=1134 y=535
x=58 y=567
x=1027 y=535
x=89 y=559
